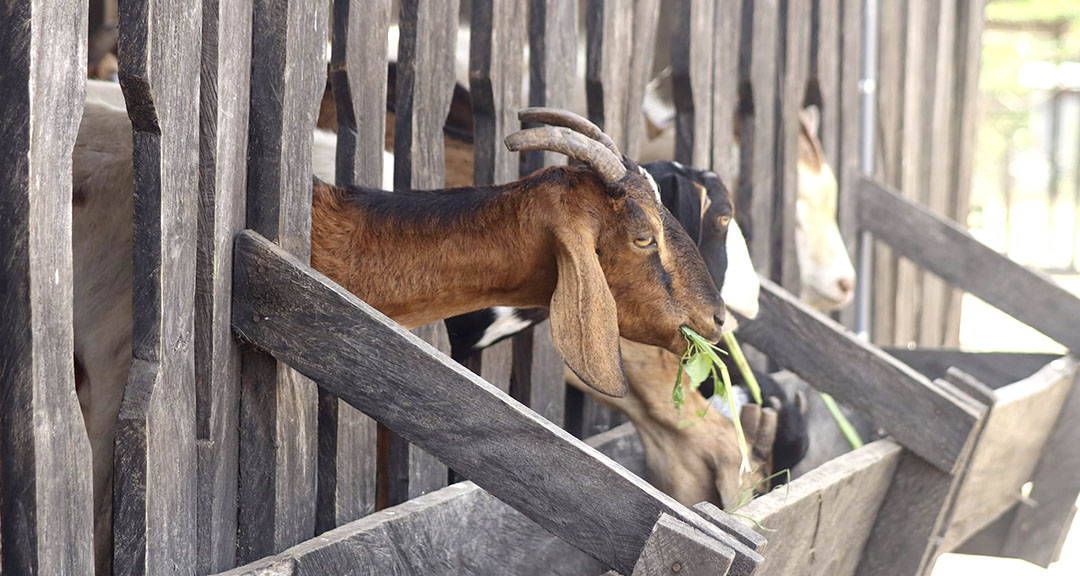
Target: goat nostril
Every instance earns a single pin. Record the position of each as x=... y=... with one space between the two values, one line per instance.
x=846 y=284
x=719 y=318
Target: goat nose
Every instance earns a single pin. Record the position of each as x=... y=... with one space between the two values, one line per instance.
x=846 y=285
x=719 y=317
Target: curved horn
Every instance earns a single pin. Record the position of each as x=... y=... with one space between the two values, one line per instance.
x=567 y=119
x=572 y=144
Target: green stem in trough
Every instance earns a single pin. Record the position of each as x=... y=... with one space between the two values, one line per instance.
x=744 y=366
x=849 y=431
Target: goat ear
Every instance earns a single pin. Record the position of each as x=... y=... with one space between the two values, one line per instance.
x=584 y=323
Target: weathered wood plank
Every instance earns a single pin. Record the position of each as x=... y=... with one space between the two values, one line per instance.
x=940 y=165
x=306 y=320
x=725 y=90
x=847 y=111
x=155 y=476
x=425 y=87
x=46 y=520
x=757 y=129
x=674 y=547
x=1005 y=459
x=348 y=438
x=796 y=60
x=608 y=30
x=537 y=377
x=892 y=28
x=643 y=44
x=945 y=249
x=223 y=120
x=1037 y=532
x=994 y=369
x=921 y=416
x=279 y=407
x=819 y=523
x=691 y=77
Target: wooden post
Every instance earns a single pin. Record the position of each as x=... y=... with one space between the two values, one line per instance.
x=46 y=520
x=643 y=46
x=278 y=433
x=223 y=117
x=846 y=112
x=155 y=477
x=725 y=91
x=425 y=84
x=692 y=82
x=796 y=59
x=348 y=438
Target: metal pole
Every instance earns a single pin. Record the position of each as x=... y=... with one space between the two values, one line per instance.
x=867 y=126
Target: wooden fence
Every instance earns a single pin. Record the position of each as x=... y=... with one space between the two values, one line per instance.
x=227 y=453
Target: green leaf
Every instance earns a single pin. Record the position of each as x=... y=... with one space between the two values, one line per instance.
x=697 y=369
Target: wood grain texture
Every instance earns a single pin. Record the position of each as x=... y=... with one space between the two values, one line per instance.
x=1005 y=459
x=46 y=519
x=1037 y=532
x=969 y=18
x=757 y=129
x=725 y=90
x=155 y=483
x=348 y=438
x=994 y=369
x=223 y=120
x=304 y=319
x=917 y=412
x=643 y=45
x=425 y=86
x=496 y=54
x=674 y=547
x=609 y=32
x=945 y=249
x=279 y=407
x=847 y=112
x=796 y=60
x=691 y=77
x=537 y=377
x=819 y=523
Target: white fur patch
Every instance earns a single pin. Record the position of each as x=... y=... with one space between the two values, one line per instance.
x=742 y=398
x=324 y=154
x=506 y=324
x=655 y=188
x=741 y=284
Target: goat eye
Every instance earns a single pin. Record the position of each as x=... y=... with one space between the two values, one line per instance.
x=724 y=220
x=645 y=241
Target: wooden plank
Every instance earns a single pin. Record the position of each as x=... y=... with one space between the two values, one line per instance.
x=279 y=407
x=921 y=415
x=796 y=59
x=892 y=27
x=819 y=523
x=691 y=77
x=643 y=45
x=46 y=519
x=945 y=249
x=609 y=30
x=674 y=547
x=941 y=148
x=725 y=90
x=757 y=130
x=537 y=377
x=348 y=438
x=154 y=490
x=304 y=319
x=425 y=87
x=1037 y=532
x=223 y=119
x=847 y=111
x=995 y=369
x=969 y=19
x=1005 y=459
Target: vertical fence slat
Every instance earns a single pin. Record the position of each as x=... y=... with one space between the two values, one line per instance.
x=935 y=292
x=826 y=49
x=224 y=98
x=846 y=111
x=425 y=84
x=537 y=374
x=609 y=26
x=348 y=438
x=969 y=18
x=278 y=443
x=691 y=75
x=725 y=90
x=796 y=39
x=892 y=25
x=643 y=44
x=757 y=128
x=46 y=522
x=155 y=477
